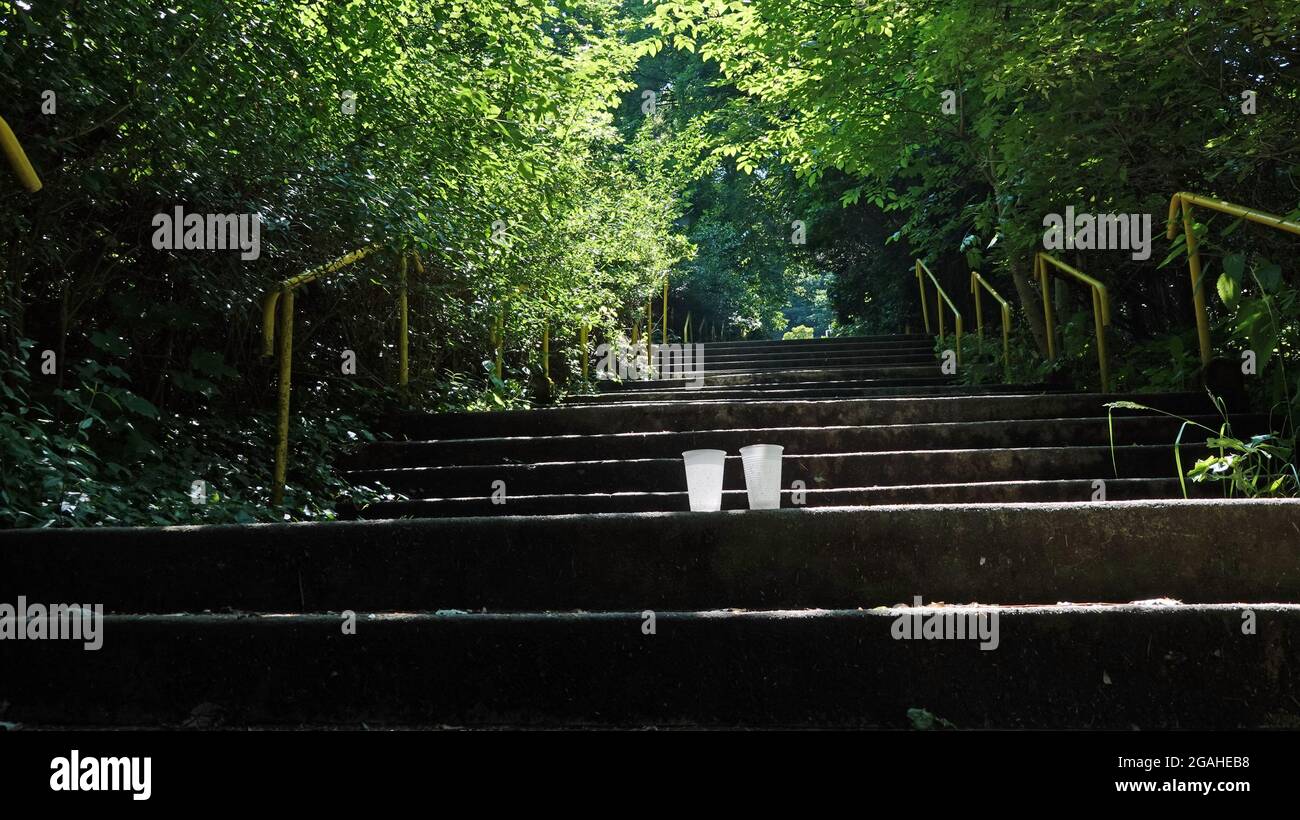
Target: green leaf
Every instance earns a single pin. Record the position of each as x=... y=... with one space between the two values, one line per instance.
x=137 y=404
x=1229 y=289
x=1234 y=265
x=1269 y=277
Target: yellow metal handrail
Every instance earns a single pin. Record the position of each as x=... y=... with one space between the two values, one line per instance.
x=664 y=318
x=1186 y=201
x=546 y=352
x=18 y=158
x=649 y=336
x=940 y=298
x=282 y=295
x=976 y=282
x=1100 y=309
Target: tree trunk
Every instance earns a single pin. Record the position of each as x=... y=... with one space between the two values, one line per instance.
x=1028 y=294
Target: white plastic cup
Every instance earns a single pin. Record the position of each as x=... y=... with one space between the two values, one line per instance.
x=763 y=475
x=704 y=478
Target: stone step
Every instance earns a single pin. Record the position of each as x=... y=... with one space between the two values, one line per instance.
x=914 y=339
x=782 y=362
x=1130 y=666
x=822 y=471
x=1095 y=431
x=702 y=388
x=829 y=356
x=721 y=416
x=837 y=345
x=989 y=492
x=936 y=387
x=925 y=371
x=767 y=372
x=840 y=557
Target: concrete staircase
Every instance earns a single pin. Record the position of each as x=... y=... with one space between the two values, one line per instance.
x=863 y=421
x=591 y=597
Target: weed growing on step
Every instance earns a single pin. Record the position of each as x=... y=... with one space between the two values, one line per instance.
x=1260 y=466
x=1261 y=316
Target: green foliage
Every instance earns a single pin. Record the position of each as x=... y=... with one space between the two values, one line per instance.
x=983 y=363
x=798 y=332
x=1261 y=318
x=1261 y=466
x=467 y=115
x=103 y=454
x=924 y=720
x=799 y=158
x=963 y=123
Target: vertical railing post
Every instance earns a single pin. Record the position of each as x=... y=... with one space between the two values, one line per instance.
x=1049 y=327
x=649 y=337
x=1187 y=201
x=283 y=389
x=664 y=318
x=958 y=339
x=938 y=309
x=582 y=348
x=976 y=284
x=1100 y=312
x=546 y=351
x=1006 y=343
x=920 y=283
x=1198 y=286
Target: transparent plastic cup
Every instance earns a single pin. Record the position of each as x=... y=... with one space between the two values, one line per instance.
x=704 y=478
x=762 y=475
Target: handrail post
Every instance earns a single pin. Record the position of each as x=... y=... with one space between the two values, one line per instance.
x=282 y=295
x=920 y=283
x=282 y=422
x=649 y=337
x=938 y=309
x=664 y=319
x=977 y=282
x=1186 y=201
x=959 y=340
x=1049 y=328
x=546 y=351
x=1006 y=343
x=939 y=298
x=1100 y=310
x=1102 y=358
x=1198 y=286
